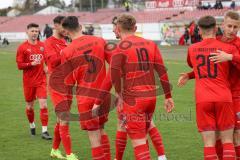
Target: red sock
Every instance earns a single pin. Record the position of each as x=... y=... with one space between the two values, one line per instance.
x=237 y=150
x=229 y=151
x=120 y=144
x=98 y=154
x=56 y=137
x=142 y=153
x=44 y=116
x=210 y=153
x=30 y=115
x=219 y=149
x=106 y=147
x=157 y=140
x=66 y=138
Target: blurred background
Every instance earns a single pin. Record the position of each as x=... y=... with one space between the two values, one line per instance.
x=169 y=22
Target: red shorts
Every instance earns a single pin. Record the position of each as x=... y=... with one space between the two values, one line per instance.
x=137 y=118
x=214 y=116
x=236 y=108
x=90 y=122
x=61 y=102
x=31 y=93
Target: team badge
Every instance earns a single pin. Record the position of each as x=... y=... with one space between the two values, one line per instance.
x=42 y=49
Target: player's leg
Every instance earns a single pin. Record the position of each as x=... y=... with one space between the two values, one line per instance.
x=206 y=122
x=237 y=143
x=92 y=126
x=44 y=118
x=236 y=107
x=218 y=146
x=66 y=139
x=138 y=119
x=62 y=106
x=157 y=141
x=209 y=140
x=121 y=138
x=95 y=141
x=41 y=93
x=225 y=124
x=55 y=152
x=30 y=96
x=105 y=144
x=30 y=115
x=141 y=149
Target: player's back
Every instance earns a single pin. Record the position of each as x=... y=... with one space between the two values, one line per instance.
x=212 y=83
x=138 y=68
x=91 y=71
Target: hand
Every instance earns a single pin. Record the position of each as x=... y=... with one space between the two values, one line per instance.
x=34 y=63
x=220 y=56
x=182 y=80
x=45 y=69
x=119 y=103
x=169 y=105
x=95 y=110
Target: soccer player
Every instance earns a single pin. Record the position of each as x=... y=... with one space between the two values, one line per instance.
x=87 y=51
x=230 y=27
x=30 y=59
x=213 y=96
x=138 y=60
x=54 y=46
x=121 y=135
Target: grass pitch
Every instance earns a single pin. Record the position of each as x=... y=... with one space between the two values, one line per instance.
x=180 y=136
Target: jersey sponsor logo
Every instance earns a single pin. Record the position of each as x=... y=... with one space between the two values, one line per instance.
x=42 y=49
x=36 y=57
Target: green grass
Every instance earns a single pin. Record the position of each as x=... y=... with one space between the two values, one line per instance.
x=180 y=136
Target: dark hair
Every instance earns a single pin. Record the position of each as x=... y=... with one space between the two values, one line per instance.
x=114 y=20
x=207 y=22
x=32 y=25
x=71 y=23
x=58 y=19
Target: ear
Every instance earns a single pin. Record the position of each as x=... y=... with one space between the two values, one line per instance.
x=80 y=27
x=215 y=29
x=200 y=31
x=135 y=28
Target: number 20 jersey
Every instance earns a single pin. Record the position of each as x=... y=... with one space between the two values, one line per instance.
x=212 y=80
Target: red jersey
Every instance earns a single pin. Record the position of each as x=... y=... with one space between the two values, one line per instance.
x=234 y=71
x=33 y=76
x=135 y=63
x=86 y=56
x=212 y=83
x=53 y=49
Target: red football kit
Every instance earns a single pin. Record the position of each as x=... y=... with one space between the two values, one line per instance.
x=134 y=65
x=233 y=79
x=34 y=77
x=53 y=49
x=85 y=57
x=212 y=88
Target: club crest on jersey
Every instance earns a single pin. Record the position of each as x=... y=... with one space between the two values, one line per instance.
x=42 y=49
x=36 y=57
